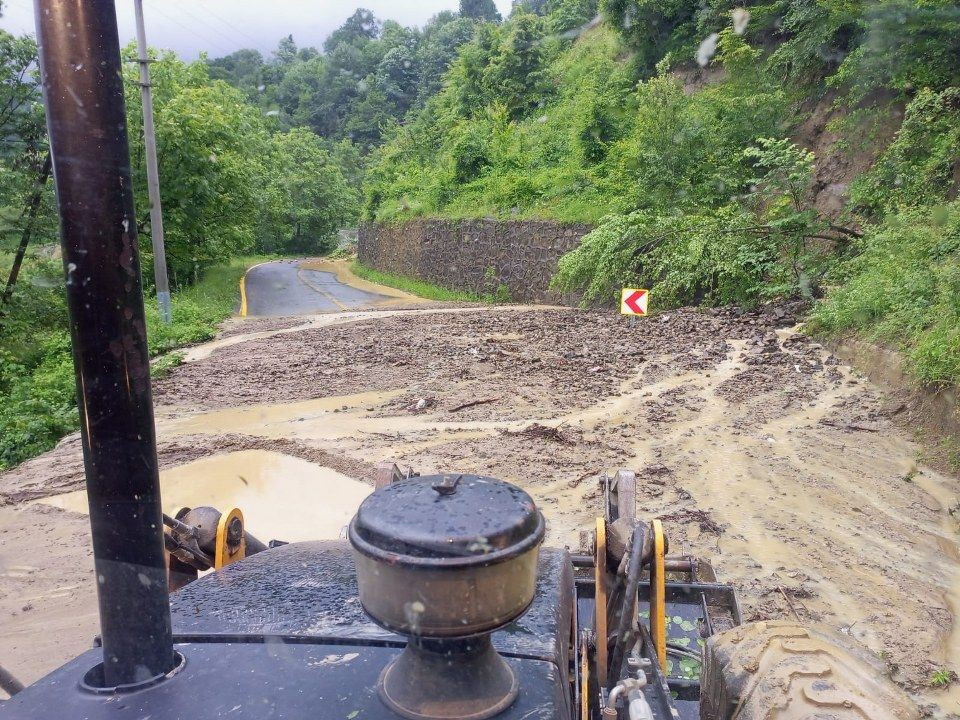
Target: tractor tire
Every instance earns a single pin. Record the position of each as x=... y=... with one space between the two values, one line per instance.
x=782 y=670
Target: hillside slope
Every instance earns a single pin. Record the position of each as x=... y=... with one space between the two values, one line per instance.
x=724 y=155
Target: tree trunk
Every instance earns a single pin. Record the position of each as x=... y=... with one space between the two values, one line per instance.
x=31 y=215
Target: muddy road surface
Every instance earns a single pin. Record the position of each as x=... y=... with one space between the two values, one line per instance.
x=758 y=449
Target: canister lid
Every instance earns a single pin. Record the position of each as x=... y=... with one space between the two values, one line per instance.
x=447 y=519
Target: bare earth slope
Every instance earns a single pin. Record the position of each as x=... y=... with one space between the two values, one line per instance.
x=759 y=450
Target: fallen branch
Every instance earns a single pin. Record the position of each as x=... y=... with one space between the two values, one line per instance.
x=789 y=602
x=472 y=403
x=543 y=431
x=850 y=426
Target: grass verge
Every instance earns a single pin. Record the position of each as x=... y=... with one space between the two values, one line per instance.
x=198 y=309
x=413 y=286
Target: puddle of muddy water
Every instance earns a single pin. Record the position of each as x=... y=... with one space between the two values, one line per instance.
x=281 y=497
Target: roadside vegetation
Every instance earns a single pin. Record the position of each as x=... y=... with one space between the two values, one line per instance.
x=37 y=392
x=421 y=288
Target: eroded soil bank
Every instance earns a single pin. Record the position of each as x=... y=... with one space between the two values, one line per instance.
x=758 y=449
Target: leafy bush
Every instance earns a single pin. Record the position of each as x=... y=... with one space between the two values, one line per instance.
x=37 y=404
x=818 y=35
x=919 y=167
x=569 y=16
x=470 y=152
x=720 y=258
x=904 y=289
x=904 y=46
x=652 y=27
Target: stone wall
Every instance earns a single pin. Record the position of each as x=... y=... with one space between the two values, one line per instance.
x=476 y=255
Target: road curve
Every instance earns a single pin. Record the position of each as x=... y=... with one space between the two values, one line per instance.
x=285 y=287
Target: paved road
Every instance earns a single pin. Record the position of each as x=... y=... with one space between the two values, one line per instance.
x=284 y=288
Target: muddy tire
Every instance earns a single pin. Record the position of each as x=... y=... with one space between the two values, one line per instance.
x=782 y=670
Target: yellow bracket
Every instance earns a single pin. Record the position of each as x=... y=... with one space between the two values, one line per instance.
x=226 y=553
x=658 y=595
x=584 y=680
x=600 y=612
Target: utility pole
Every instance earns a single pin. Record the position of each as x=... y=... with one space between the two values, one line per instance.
x=153 y=178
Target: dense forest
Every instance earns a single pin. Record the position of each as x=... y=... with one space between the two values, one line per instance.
x=724 y=152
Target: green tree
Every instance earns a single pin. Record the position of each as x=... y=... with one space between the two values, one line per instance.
x=515 y=74
x=360 y=28
x=286 y=52
x=443 y=36
x=483 y=10
x=210 y=144
x=652 y=27
x=26 y=199
x=243 y=69
x=312 y=200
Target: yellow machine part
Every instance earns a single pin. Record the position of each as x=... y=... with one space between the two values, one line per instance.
x=600 y=614
x=225 y=552
x=658 y=595
x=584 y=680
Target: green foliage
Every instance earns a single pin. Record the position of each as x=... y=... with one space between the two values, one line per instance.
x=37 y=390
x=904 y=289
x=484 y=10
x=37 y=404
x=228 y=185
x=198 y=309
x=310 y=199
x=920 y=166
x=596 y=144
x=469 y=153
x=819 y=34
x=20 y=118
x=942 y=678
x=24 y=146
x=690 y=259
x=652 y=27
x=569 y=16
x=882 y=45
x=370 y=75
x=515 y=70
x=164 y=365
x=904 y=46
x=209 y=141
x=413 y=286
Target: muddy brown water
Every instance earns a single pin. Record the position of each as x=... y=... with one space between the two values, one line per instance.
x=281 y=497
x=759 y=451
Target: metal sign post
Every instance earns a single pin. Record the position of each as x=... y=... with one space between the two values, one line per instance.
x=153 y=178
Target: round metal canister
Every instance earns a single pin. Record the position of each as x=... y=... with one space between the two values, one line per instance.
x=446 y=555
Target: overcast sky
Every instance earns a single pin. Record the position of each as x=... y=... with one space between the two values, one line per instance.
x=222 y=26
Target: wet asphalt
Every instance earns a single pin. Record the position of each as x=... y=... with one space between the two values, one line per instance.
x=283 y=287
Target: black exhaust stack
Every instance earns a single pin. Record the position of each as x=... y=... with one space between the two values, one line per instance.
x=86 y=121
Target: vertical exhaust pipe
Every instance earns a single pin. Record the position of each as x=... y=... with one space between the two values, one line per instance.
x=86 y=122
